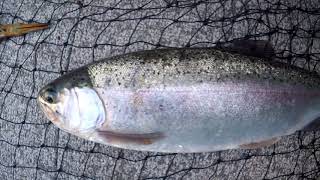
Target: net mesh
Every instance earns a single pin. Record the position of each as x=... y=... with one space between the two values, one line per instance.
x=86 y=31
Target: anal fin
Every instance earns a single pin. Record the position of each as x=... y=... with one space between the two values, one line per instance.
x=143 y=139
x=260 y=144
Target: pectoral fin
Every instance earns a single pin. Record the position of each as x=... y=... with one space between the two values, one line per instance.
x=143 y=139
x=313 y=126
x=260 y=144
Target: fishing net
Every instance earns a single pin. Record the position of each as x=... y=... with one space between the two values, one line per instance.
x=85 y=31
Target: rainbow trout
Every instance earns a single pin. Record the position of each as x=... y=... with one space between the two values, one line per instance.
x=183 y=100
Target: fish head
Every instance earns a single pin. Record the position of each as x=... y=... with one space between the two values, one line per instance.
x=71 y=103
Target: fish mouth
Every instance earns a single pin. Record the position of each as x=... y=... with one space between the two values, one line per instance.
x=48 y=111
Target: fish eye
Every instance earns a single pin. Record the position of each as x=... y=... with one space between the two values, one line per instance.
x=51 y=96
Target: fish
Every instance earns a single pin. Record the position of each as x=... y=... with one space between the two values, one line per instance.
x=19 y=29
x=185 y=100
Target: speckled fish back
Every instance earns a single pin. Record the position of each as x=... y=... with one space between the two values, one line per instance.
x=198 y=65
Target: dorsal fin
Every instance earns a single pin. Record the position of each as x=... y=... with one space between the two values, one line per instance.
x=255 y=48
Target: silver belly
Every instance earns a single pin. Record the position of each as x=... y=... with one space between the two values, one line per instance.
x=208 y=117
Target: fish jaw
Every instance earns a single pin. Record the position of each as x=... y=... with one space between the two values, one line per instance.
x=49 y=112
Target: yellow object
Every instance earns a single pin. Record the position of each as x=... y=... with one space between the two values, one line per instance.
x=19 y=29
